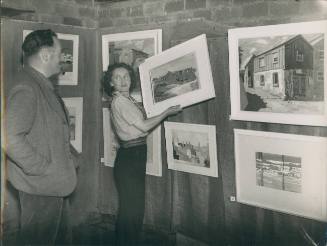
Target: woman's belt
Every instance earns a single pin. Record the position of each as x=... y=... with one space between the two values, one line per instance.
x=132 y=142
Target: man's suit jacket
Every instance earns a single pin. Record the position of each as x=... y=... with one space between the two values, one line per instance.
x=39 y=160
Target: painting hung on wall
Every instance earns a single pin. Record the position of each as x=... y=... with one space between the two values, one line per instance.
x=131 y=48
x=69 y=58
x=180 y=75
x=191 y=148
x=282 y=69
x=111 y=145
x=282 y=172
x=74 y=106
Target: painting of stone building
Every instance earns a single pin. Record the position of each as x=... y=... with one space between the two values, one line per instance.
x=174 y=78
x=133 y=53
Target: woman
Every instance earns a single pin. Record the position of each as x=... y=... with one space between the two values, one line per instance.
x=131 y=127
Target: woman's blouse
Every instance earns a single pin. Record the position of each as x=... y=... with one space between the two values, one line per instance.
x=125 y=115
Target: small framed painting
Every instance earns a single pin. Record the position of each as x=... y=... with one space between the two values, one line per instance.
x=69 y=57
x=282 y=172
x=180 y=75
x=191 y=148
x=74 y=106
x=282 y=69
x=131 y=48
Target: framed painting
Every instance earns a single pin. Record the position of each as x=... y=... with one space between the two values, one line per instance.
x=282 y=172
x=191 y=148
x=131 y=48
x=111 y=145
x=282 y=69
x=180 y=75
x=74 y=106
x=69 y=57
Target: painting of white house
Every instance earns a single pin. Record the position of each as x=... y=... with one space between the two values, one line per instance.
x=280 y=172
x=174 y=78
x=278 y=73
x=191 y=148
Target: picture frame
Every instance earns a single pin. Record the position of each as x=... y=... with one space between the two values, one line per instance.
x=111 y=145
x=282 y=172
x=74 y=107
x=191 y=148
x=180 y=75
x=282 y=69
x=131 y=48
x=69 y=46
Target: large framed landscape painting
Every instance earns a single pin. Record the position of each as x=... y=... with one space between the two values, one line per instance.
x=282 y=69
x=69 y=57
x=74 y=106
x=282 y=172
x=191 y=148
x=131 y=48
x=180 y=75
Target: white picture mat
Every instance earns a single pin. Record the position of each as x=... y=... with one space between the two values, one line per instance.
x=155 y=34
x=312 y=201
x=111 y=146
x=209 y=130
x=198 y=46
x=77 y=104
x=69 y=78
x=266 y=31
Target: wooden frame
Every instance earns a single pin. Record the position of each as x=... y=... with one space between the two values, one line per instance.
x=283 y=172
x=111 y=145
x=191 y=148
x=69 y=63
x=74 y=106
x=180 y=75
x=283 y=70
x=131 y=48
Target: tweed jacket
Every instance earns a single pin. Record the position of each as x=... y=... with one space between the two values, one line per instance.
x=39 y=160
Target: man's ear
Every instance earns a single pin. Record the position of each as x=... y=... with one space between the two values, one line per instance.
x=44 y=55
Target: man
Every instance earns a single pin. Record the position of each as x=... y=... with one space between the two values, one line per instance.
x=40 y=163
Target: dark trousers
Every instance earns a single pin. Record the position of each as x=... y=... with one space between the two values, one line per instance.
x=44 y=220
x=129 y=173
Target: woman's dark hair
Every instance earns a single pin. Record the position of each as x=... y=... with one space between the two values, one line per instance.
x=108 y=76
x=35 y=40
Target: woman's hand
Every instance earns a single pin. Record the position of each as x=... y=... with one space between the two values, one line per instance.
x=173 y=110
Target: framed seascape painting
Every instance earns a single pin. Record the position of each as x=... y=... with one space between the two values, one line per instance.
x=74 y=106
x=180 y=75
x=111 y=145
x=191 y=148
x=282 y=172
x=282 y=69
x=131 y=48
x=69 y=57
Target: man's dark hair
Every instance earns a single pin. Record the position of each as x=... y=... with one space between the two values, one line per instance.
x=35 y=40
x=107 y=77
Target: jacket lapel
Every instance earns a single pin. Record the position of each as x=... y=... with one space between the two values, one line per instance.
x=48 y=92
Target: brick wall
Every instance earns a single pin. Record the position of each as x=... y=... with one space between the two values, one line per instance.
x=234 y=13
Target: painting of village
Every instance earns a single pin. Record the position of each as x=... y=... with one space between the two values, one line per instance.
x=280 y=172
x=133 y=53
x=191 y=148
x=66 y=59
x=174 y=78
x=283 y=74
